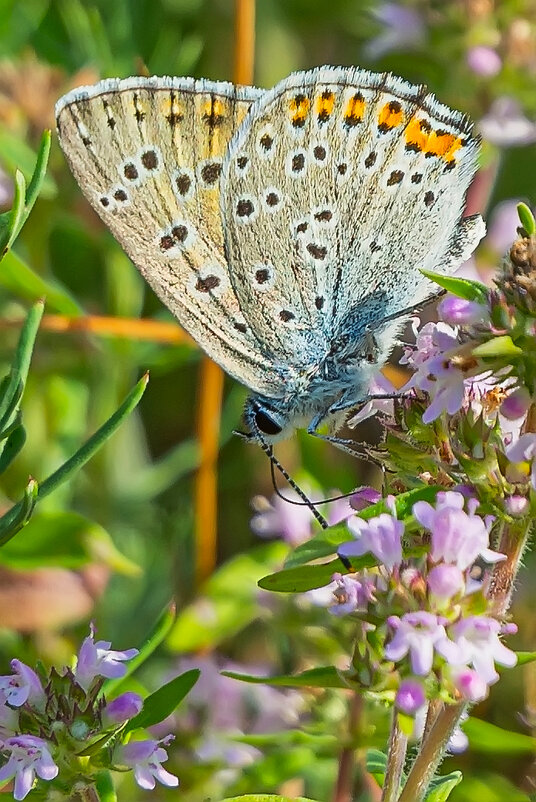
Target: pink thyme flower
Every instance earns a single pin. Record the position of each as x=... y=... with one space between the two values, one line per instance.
x=279 y=518
x=505 y=124
x=381 y=535
x=470 y=684
x=460 y=312
x=458 y=538
x=410 y=696
x=125 y=706
x=351 y=592
x=22 y=686
x=146 y=758
x=28 y=756
x=96 y=659
x=444 y=582
x=484 y=61
x=516 y=404
x=477 y=638
x=417 y=634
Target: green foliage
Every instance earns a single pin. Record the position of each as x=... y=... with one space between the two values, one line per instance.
x=462 y=287
x=163 y=702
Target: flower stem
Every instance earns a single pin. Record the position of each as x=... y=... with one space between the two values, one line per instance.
x=431 y=754
x=396 y=757
x=512 y=542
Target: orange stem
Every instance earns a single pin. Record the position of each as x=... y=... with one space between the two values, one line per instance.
x=211 y=378
x=129 y=328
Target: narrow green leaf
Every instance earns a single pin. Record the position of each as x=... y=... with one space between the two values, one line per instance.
x=113 y=687
x=78 y=459
x=23 y=511
x=18 y=155
x=26 y=341
x=502 y=345
x=35 y=187
x=322 y=677
x=488 y=738
x=526 y=218
x=302 y=578
x=105 y=787
x=19 y=278
x=525 y=657
x=95 y=442
x=11 y=389
x=376 y=761
x=462 y=287
x=16 y=218
x=25 y=198
x=441 y=787
x=266 y=798
x=162 y=703
x=12 y=447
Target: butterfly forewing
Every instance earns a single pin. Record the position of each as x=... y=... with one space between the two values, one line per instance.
x=148 y=155
x=339 y=186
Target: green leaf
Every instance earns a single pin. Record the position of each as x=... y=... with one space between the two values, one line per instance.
x=12 y=447
x=64 y=539
x=526 y=218
x=322 y=677
x=20 y=279
x=24 y=198
x=489 y=738
x=78 y=459
x=441 y=787
x=525 y=657
x=266 y=798
x=105 y=787
x=376 y=762
x=113 y=687
x=25 y=345
x=462 y=287
x=24 y=509
x=161 y=704
x=228 y=600
x=11 y=389
x=328 y=541
x=502 y=345
x=305 y=577
x=15 y=220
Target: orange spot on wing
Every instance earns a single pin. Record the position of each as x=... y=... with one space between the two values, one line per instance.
x=324 y=104
x=355 y=108
x=299 y=109
x=417 y=133
x=391 y=115
x=443 y=145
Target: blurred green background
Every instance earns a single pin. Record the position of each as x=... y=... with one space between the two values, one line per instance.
x=133 y=503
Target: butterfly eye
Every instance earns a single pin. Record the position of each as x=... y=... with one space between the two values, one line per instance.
x=266 y=424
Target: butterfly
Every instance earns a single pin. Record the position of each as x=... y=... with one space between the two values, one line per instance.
x=285 y=229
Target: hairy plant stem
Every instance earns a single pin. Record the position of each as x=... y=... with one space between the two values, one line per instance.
x=512 y=541
x=396 y=757
x=84 y=793
x=435 y=707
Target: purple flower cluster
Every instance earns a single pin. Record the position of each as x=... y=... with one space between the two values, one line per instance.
x=65 y=728
x=437 y=627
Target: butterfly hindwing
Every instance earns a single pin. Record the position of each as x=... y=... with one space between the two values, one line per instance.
x=147 y=153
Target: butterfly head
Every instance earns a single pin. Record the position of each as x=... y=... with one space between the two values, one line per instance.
x=266 y=421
